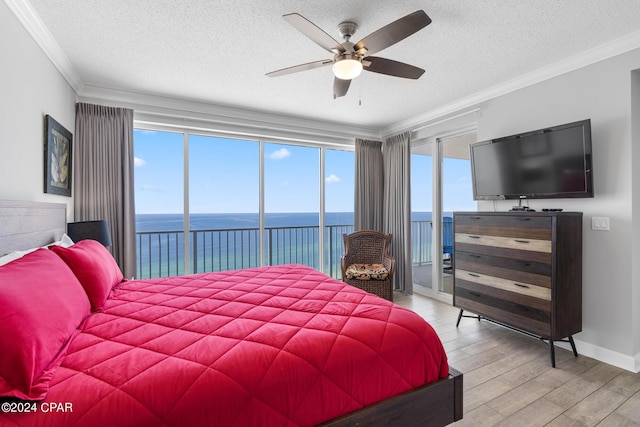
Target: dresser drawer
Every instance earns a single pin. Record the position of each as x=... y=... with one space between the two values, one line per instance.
x=517 y=315
x=513 y=243
x=500 y=221
x=466 y=288
x=519 y=227
x=536 y=273
x=528 y=289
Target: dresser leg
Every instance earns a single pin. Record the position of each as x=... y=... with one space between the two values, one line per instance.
x=460 y=316
x=573 y=346
x=552 y=354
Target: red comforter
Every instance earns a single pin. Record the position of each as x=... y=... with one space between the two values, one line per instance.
x=282 y=345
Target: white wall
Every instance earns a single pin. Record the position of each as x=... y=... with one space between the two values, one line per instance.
x=601 y=92
x=30 y=88
x=635 y=231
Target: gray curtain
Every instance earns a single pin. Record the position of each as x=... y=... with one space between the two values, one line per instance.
x=397 y=207
x=103 y=176
x=367 y=212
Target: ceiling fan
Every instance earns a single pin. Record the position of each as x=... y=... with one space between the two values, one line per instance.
x=350 y=59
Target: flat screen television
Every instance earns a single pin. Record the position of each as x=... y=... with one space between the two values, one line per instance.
x=548 y=163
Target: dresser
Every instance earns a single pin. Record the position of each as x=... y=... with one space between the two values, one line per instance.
x=522 y=270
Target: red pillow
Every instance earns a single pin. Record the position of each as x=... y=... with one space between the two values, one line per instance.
x=94 y=266
x=41 y=306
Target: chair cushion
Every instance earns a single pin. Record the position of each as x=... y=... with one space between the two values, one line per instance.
x=367 y=272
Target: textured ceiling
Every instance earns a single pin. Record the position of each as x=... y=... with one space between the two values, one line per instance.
x=219 y=51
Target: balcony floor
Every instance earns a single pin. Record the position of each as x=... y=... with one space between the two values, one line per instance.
x=422 y=277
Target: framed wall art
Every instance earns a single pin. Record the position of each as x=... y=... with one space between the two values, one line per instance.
x=57 y=158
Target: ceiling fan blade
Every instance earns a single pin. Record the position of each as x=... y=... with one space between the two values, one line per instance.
x=340 y=87
x=394 y=32
x=392 y=68
x=312 y=31
x=300 y=67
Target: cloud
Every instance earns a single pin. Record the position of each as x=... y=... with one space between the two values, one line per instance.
x=331 y=178
x=137 y=162
x=280 y=154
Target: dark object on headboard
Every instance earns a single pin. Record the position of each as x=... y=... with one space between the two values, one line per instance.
x=94 y=230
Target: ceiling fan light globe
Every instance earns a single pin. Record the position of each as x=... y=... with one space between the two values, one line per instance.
x=347 y=69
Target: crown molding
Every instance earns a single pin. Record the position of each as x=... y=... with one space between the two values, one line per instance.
x=25 y=13
x=599 y=53
x=153 y=109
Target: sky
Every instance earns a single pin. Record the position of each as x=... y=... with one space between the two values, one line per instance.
x=224 y=177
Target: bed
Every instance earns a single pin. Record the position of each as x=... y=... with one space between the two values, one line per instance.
x=281 y=345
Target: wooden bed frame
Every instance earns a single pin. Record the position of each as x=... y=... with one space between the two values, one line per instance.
x=25 y=225
x=432 y=405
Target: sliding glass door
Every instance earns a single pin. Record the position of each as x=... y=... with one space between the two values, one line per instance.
x=440 y=185
x=457 y=195
x=421 y=215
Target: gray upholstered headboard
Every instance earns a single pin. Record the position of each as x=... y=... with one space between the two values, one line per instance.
x=25 y=225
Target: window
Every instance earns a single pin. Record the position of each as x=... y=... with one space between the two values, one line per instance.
x=237 y=203
x=159 y=196
x=224 y=191
x=338 y=195
x=292 y=204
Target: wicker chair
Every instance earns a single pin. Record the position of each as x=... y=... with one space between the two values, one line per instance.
x=369 y=247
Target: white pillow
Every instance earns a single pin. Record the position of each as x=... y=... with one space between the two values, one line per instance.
x=65 y=241
x=11 y=256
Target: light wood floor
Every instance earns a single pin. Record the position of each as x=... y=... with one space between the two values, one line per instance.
x=509 y=381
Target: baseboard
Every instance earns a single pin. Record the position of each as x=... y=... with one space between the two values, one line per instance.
x=624 y=361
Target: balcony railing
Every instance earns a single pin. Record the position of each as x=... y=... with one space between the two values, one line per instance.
x=161 y=253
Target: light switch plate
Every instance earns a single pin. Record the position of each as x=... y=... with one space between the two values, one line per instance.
x=600 y=223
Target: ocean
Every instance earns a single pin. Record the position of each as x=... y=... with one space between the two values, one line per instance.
x=174 y=222
x=231 y=241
